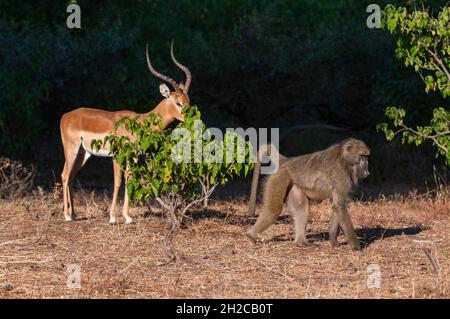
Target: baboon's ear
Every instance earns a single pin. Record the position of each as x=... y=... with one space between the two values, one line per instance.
x=164 y=90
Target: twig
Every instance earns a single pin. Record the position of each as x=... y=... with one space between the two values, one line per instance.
x=26 y=261
x=434 y=262
x=442 y=68
x=11 y=242
x=261 y=262
x=161 y=202
x=130 y=264
x=3 y=226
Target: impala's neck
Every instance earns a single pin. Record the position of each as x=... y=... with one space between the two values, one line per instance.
x=164 y=108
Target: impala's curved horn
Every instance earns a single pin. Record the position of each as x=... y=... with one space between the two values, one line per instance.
x=160 y=75
x=185 y=70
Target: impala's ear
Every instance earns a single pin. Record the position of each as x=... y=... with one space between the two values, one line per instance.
x=164 y=90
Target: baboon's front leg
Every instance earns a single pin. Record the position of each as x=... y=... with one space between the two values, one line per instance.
x=333 y=229
x=343 y=220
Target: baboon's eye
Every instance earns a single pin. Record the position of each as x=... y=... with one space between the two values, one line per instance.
x=363 y=159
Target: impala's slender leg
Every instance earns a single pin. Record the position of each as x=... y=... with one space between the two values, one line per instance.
x=117 y=183
x=75 y=160
x=66 y=177
x=65 y=181
x=80 y=160
x=128 y=219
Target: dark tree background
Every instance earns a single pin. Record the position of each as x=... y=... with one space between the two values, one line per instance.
x=267 y=63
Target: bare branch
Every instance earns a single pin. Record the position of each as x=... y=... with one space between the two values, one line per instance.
x=443 y=67
x=434 y=262
x=162 y=203
x=431 y=137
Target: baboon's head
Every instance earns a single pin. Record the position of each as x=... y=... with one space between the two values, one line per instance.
x=356 y=154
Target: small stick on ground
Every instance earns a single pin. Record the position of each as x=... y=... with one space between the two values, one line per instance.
x=17 y=241
x=261 y=262
x=130 y=264
x=434 y=262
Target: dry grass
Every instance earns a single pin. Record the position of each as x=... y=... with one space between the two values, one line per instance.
x=15 y=178
x=407 y=237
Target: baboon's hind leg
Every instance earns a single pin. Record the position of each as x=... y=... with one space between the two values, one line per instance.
x=265 y=219
x=298 y=207
x=274 y=194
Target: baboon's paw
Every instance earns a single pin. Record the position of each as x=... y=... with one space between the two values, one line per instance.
x=252 y=238
x=302 y=242
x=334 y=243
x=356 y=245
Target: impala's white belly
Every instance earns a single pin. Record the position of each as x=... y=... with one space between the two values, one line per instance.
x=101 y=152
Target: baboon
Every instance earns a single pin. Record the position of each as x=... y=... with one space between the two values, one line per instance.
x=270 y=150
x=330 y=173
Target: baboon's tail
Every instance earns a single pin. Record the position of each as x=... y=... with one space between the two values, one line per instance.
x=270 y=150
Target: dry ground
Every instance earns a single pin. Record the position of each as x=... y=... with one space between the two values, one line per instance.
x=217 y=261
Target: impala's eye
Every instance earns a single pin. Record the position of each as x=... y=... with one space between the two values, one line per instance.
x=179 y=104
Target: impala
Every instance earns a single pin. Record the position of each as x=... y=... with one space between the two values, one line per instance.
x=80 y=126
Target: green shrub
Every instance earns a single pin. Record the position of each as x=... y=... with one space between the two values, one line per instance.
x=169 y=167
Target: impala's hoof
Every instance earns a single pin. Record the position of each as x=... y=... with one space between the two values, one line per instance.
x=112 y=221
x=68 y=219
x=128 y=221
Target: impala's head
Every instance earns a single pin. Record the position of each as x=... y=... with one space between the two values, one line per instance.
x=176 y=101
x=179 y=98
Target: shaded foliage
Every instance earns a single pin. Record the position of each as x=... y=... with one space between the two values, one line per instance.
x=254 y=63
x=423 y=42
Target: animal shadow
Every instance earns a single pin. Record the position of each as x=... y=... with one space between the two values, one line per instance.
x=83 y=218
x=229 y=217
x=370 y=235
x=366 y=235
x=194 y=215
